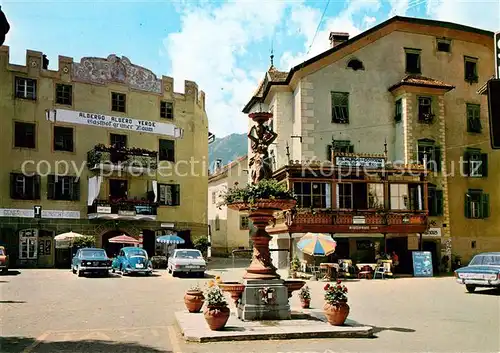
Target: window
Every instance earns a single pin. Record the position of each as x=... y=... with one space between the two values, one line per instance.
x=475 y=163
x=398 y=114
x=169 y=194
x=166 y=110
x=167 y=150
x=23 y=187
x=118 y=140
x=272 y=159
x=64 y=94
x=28 y=239
x=425 y=114
x=217 y=222
x=355 y=64
x=399 y=197
x=63 y=138
x=434 y=201
x=470 y=69
x=339 y=146
x=413 y=61
x=375 y=195
x=244 y=223
x=25 y=88
x=118 y=102
x=443 y=45
x=310 y=194
x=24 y=135
x=477 y=204
x=340 y=107
x=474 y=118
x=428 y=151
x=63 y=188
x=344 y=195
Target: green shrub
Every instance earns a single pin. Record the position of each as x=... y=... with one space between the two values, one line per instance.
x=87 y=241
x=265 y=189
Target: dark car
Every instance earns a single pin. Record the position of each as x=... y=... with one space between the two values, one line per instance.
x=4 y=260
x=482 y=271
x=91 y=260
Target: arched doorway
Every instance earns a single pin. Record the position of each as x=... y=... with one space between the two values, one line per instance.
x=112 y=249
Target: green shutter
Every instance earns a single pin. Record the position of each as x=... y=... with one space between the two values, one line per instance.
x=467 y=207
x=466 y=165
x=484 y=164
x=439 y=203
x=176 y=191
x=50 y=187
x=485 y=205
x=36 y=187
x=437 y=156
x=75 y=189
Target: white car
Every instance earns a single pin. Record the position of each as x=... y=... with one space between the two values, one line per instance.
x=187 y=261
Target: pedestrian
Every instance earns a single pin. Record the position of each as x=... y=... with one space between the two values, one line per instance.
x=395 y=260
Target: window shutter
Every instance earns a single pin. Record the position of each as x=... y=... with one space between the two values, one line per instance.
x=484 y=164
x=439 y=203
x=467 y=165
x=51 y=187
x=485 y=203
x=12 y=186
x=75 y=189
x=467 y=206
x=36 y=187
x=329 y=150
x=176 y=195
x=351 y=148
x=437 y=154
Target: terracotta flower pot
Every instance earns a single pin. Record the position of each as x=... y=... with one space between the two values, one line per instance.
x=305 y=303
x=194 y=300
x=337 y=313
x=216 y=316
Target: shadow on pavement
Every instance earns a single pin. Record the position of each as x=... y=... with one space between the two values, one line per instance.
x=11 y=273
x=395 y=329
x=20 y=344
x=12 y=302
x=489 y=291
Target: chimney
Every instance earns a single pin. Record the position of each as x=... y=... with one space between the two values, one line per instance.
x=337 y=38
x=45 y=62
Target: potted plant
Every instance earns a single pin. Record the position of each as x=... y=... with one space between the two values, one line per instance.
x=216 y=312
x=336 y=308
x=294 y=266
x=194 y=299
x=305 y=297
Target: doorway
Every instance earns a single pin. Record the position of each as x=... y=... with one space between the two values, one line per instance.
x=118 y=189
x=400 y=246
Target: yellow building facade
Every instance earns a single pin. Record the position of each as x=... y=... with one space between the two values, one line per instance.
x=100 y=147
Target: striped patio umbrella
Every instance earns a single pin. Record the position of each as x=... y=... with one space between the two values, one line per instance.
x=124 y=239
x=317 y=244
x=170 y=239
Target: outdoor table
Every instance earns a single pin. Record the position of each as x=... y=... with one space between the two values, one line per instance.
x=360 y=266
x=329 y=266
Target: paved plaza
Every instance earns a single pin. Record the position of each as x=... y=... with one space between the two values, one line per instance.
x=55 y=311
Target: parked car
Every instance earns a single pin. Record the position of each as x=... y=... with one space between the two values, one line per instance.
x=4 y=260
x=187 y=261
x=482 y=271
x=132 y=260
x=90 y=260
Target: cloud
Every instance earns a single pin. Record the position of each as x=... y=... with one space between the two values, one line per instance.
x=483 y=14
x=401 y=7
x=207 y=50
x=306 y=19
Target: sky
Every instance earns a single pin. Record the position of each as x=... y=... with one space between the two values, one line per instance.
x=224 y=46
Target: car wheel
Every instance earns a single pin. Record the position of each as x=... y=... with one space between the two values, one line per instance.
x=79 y=273
x=470 y=288
x=73 y=269
x=113 y=270
x=5 y=271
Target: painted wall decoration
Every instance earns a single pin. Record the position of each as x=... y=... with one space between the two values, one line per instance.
x=115 y=69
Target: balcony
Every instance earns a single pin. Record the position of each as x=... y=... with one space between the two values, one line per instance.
x=124 y=209
x=132 y=160
x=360 y=221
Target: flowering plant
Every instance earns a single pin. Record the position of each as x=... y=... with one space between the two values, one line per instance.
x=195 y=287
x=336 y=293
x=214 y=296
x=304 y=293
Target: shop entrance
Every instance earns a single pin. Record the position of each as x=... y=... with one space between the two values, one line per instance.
x=400 y=246
x=112 y=249
x=432 y=247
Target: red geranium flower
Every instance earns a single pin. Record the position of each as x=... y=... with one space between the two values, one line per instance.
x=339 y=281
x=327 y=286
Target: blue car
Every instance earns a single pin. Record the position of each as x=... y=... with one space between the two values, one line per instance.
x=482 y=271
x=132 y=260
x=90 y=260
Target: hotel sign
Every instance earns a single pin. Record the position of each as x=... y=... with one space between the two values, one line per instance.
x=364 y=162
x=30 y=213
x=114 y=122
x=432 y=232
x=358 y=220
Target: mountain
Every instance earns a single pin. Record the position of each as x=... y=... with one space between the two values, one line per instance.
x=227 y=148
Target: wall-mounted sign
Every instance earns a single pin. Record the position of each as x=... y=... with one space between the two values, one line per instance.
x=37 y=210
x=364 y=162
x=30 y=213
x=104 y=209
x=432 y=232
x=363 y=227
x=167 y=225
x=126 y=213
x=114 y=122
x=358 y=220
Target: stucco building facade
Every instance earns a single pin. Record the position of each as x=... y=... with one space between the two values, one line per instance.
x=411 y=83
x=103 y=147
x=229 y=229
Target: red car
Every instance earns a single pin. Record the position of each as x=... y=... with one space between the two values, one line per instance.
x=4 y=260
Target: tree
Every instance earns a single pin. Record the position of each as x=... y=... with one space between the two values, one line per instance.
x=201 y=244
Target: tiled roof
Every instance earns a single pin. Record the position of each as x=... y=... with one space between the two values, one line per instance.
x=417 y=80
x=277 y=76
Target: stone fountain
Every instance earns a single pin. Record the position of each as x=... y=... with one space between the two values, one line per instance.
x=262 y=295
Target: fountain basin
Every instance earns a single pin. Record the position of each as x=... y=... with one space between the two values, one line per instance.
x=293 y=285
x=235 y=289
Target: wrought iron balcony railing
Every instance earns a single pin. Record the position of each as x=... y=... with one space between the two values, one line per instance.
x=111 y=157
